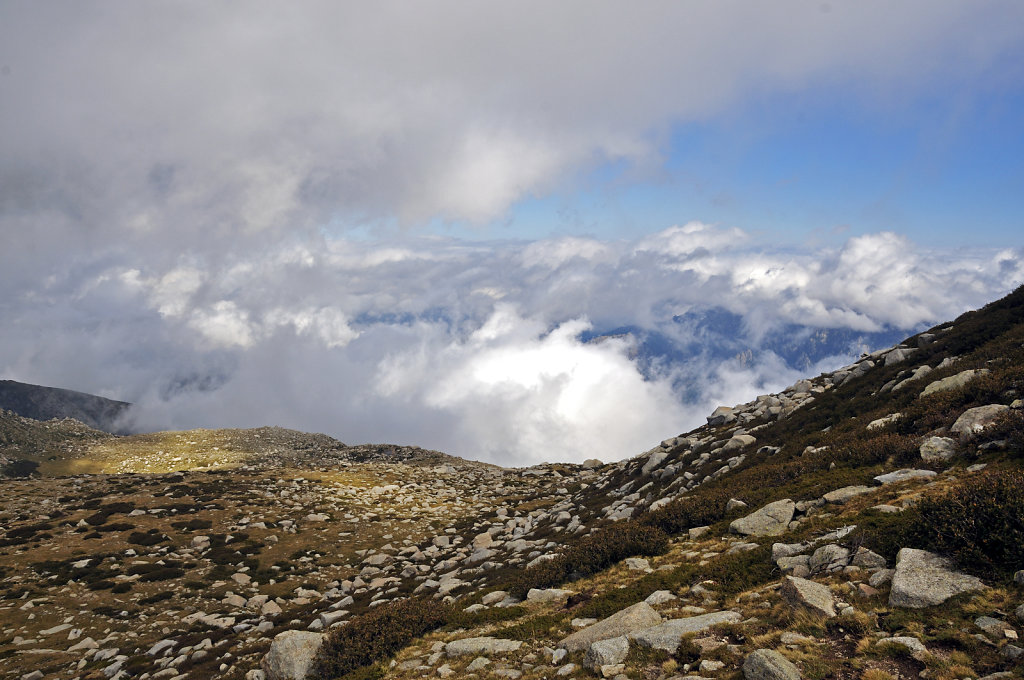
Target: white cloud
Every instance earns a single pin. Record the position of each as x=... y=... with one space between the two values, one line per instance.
x=475 y=348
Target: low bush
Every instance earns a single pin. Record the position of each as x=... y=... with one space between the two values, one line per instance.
x=377 y=634
x=690 y=511
x=979 y=524
x=592 y=554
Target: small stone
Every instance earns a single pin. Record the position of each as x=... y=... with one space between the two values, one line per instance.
x=915 y=646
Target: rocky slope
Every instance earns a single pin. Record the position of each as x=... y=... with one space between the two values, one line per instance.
x=868 y=522
x=46 y=403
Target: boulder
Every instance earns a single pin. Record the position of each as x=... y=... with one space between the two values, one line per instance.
x=937 y=449
x=903 y=475
x=767 y=664
x=653 y=461
x=953 y=381
x=814 y=597
x=882 y=422
x=923 y=579
x=481 y=645
x=291 y=655
x=913 y=645
x=840 y=496
x=974 y=420
x=668 y=635
x=606 y=653
x=592 y=464
x=721 y=415
x=738 y=442
x=637 y=617
x=829 y=558
x=547 y=595
x=771 y=520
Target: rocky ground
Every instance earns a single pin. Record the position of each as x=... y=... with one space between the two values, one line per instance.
x=865 y=523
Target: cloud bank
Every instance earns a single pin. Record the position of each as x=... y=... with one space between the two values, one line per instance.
x=512 y=352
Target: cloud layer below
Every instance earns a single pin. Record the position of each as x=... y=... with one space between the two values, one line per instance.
x=512 y=352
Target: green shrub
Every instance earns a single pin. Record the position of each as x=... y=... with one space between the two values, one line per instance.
x=979 y=524
x=742 y=571
x=592 y=554
x=377 y=634
x=690 y=511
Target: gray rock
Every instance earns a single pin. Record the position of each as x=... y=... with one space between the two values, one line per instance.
x=637 y=617
x=809 y=595
x=915 y=646
x=903 y=475
x=1018 y=577
x=897 y=355
x=1019 y=613
x=790 y=565
x=291 y=655
x=767 y=664
x=923 y=579
x=655 y=459
x=867 y=559
x=881 y=577
x=738 y=442
x=953 y=381
x=974 y=420
x=993 y=627
x=606 y=652
x=667 y=635
x=734 y=504
x=636 y=564
x=840 y=496
x=882 y=422
x=829 y=557
x=659 y=597
x=592 y=464
x=771 y=520
x=937 y=449
x=547 y=595
x=721 y=415
x=481 y=645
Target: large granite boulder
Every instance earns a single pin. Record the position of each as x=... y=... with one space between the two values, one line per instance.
x=767 y=664
x=481 y=645
x=668 y=635
x=953 y=381
x=924 y=579
x=937 y=449
x=809 y=595
x=291 y=655
x=974 y=420
x=641 y=615
x=771 y=520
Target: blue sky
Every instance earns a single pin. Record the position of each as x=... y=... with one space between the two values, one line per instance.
x=946 y=169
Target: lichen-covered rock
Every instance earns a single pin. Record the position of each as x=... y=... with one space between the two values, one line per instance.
x=923 y=579
x=974 y=420
x=291 y=655
x=641 y=615
x=606 y=653
x=771 y=520
x=937 y=449
x=668 y=635
x=767 y=664
x=481 y=645
x=809 y=595
x=953 y=381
